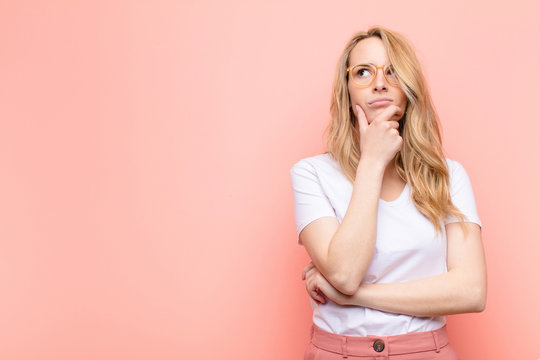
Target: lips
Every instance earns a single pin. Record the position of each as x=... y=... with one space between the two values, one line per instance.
x=380 y=101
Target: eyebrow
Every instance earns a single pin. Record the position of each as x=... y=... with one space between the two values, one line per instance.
x=369 y=63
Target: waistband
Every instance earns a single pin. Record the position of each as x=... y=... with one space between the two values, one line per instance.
x=379 y=345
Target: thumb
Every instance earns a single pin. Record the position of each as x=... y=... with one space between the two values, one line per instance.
x=362 y=119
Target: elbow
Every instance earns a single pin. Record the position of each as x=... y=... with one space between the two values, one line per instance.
x=472 y=294
x=345 y=285
x=481 y=302
x=478 y=299
x=350 y=289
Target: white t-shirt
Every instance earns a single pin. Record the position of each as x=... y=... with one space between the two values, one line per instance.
x=407 y=246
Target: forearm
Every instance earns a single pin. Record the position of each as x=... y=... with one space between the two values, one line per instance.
x=351 y=249
x=444 y=294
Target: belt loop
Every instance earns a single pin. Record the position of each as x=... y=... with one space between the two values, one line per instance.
x=436 y=338
x=344 y=347
x=312 y=330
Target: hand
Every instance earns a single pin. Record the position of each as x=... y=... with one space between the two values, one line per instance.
x=380 y=140
x=319 y=288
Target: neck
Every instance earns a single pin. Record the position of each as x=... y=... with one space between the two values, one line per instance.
x=390 y=171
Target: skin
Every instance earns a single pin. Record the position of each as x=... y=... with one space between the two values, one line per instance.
x=463 y=288
x=372 y=50
x=344 y=251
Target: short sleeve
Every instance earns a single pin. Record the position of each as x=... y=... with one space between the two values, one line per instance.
x=310 y=201
x=462 y=194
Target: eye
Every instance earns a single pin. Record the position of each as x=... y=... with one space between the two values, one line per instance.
x=363 y=71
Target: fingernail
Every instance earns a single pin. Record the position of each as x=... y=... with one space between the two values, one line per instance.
x=357 y=108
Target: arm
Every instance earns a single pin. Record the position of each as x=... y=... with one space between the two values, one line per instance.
x=341 y=252
x=462 y=289
x=351 y=248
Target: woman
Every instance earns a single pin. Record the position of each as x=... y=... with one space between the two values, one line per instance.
x=389 y=222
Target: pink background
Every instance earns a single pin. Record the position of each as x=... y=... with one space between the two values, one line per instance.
x=145 y=147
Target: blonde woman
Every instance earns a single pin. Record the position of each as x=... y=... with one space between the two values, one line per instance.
x=389 y=222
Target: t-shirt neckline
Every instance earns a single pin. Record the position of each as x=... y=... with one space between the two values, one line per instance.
x=399 y=199
x=394 y=202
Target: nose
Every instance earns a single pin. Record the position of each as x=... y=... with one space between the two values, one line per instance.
x=379 y=83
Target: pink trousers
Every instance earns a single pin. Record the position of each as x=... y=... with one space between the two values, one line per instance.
x=418 y=346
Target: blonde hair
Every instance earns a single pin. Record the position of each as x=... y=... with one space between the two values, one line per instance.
x=421 y=160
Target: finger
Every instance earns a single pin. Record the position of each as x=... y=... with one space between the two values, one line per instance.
x=314 y=292
x=318 y=292
x=317 y=297
x=388 y=113
x=311 y=289
x=362 y=119
x=308 y=265
x=306 y=269
x=320 y=295
x=394 y=124
x=312 y=286
x=310 y=272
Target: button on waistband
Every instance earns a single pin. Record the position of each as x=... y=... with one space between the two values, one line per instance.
x=378 y=345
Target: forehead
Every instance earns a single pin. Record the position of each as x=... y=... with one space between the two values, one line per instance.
x=370 y=50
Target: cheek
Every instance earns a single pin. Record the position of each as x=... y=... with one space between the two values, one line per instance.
x=403 y=95
x=355 y=96
x=351 y=93
x=402 y=99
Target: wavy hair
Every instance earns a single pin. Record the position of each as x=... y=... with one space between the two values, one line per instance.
x=421 y=160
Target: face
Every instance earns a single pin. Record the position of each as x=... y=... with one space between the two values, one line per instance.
x=372 y=50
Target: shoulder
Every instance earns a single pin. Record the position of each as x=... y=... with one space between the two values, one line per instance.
x=450 y=163
x=454 y=166
x=320 y=163
x=458 y=176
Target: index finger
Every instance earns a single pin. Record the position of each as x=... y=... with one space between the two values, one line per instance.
x=388 y=113
x=362 y=119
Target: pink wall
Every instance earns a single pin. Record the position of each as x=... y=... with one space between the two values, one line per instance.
x=145 y=147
